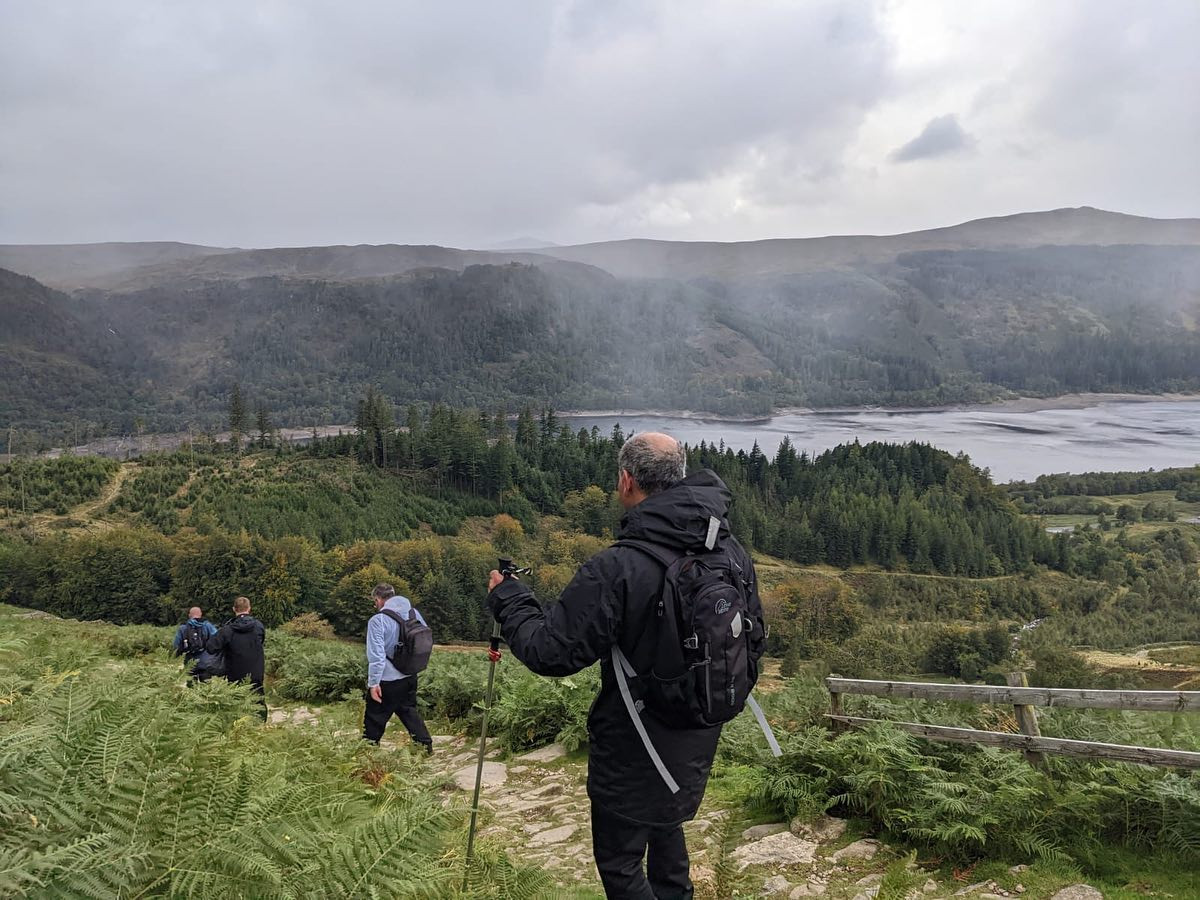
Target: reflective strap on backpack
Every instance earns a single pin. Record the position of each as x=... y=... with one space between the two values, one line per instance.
x=764 y=725
x=622 y=668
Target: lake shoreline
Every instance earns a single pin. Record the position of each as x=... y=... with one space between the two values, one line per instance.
x=128 y=446
x=1010 y=405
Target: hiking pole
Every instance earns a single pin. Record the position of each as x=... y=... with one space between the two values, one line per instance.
x=508 y=570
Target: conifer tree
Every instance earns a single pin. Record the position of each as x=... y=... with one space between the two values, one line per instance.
x=263 y=423
x=238 y=421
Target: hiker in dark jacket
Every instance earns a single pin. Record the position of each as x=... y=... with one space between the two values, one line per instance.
x=192 y=635
x=637 y=822
x=242 y=640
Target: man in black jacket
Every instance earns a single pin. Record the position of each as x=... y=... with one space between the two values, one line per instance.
x=241 y=640
x=612 y=600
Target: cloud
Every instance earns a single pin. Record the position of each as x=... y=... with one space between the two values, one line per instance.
x=288 y=122
x=941 y=136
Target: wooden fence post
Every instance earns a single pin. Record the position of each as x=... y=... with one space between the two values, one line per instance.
x=835 y=709
x=1026 y=719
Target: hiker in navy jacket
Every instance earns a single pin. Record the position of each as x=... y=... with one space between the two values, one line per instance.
x=390 y=692
x=191 y=636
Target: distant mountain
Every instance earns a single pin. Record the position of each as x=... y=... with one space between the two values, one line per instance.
x=682 y=259
x=69 y=266
x=522 y=243
x=58 y=362
x=1042 y=303
x=137 y=266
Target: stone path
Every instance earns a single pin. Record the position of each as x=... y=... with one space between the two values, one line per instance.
x=535 y=806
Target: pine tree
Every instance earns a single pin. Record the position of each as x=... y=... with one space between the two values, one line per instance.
x=238 y=422
x=263 y=423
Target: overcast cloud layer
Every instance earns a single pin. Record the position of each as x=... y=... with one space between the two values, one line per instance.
x=240 y=123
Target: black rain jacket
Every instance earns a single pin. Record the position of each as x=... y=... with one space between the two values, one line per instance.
x=612 y=598
x=242 y=642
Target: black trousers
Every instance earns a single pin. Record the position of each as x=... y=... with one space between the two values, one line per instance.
x=257 y=687
x=621 y=847
x=399 y=698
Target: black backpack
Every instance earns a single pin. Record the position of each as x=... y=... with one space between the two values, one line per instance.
x=209 y=665
x=703 y=671
x=415 y=644
x=194 y=636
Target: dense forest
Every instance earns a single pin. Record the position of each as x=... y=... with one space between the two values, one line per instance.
x=430 y=503
x=928 y=328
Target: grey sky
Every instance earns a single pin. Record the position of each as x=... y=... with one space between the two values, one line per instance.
x=294 y=122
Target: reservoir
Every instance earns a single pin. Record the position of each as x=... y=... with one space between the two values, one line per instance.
x=1014 y=444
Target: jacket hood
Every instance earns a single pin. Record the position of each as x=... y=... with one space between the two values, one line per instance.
x=679 y=516
x=244 y=623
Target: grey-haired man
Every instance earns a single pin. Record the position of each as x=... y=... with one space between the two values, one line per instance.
x=390 y=692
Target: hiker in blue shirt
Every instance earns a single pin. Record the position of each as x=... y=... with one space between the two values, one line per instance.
x=192 y=635
x=389 y=691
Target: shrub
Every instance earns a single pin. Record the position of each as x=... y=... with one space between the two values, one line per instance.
x=532 y=711
x=958 y=801
x=507 y=533
x=350 y=605
x=309 y=625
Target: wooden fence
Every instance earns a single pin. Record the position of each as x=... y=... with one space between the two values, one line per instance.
x=1024 y=700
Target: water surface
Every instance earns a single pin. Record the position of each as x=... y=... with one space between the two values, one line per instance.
x=1114 y=436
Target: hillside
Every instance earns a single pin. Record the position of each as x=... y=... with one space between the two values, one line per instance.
x=880 y=585
x=1084 y=226
x=69 y=266
x=133 y=265
x=305 y=330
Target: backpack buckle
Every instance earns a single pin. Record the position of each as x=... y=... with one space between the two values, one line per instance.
x=692 y=643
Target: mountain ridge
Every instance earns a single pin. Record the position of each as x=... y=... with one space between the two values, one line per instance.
x=131 y=266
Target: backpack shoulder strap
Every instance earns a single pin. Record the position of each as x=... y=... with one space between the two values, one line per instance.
x=764 y=725
x=660 y=554
x=395 y=616
x=623 y=671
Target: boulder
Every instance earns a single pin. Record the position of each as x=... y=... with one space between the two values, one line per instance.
x=823 y=828
x=758 y=832
x=812 y=889
x=1078 y=892
x=776 y=885
x=782 y=849
x=494 y=775
x=546 y=754
x=864 y=849
x=971 y=889
x=552 y=836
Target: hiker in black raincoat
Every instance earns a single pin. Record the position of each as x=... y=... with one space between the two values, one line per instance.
x=637 y=823
x=241 y=641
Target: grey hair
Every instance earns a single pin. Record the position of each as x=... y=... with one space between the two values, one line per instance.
x=384 y=591
x=653 y=467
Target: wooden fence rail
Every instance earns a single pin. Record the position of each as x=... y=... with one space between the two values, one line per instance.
x=1023 y=699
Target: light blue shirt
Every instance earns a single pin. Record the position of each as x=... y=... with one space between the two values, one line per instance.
x=382 y=634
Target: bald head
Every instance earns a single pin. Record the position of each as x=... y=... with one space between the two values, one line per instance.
x=649 y=464
x=195 y=613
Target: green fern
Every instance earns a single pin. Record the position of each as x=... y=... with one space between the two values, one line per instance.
x=122 y=784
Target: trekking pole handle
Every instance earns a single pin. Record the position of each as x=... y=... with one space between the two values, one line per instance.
x=508 y=569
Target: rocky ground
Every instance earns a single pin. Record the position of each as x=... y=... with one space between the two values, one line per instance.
x=535 y=806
